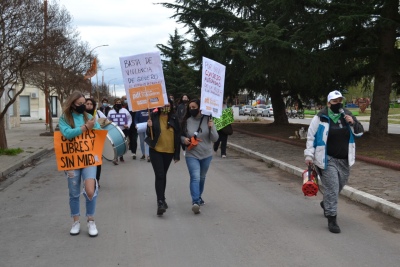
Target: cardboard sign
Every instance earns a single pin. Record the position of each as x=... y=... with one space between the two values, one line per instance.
x=212 y=87
x=81 y=151
x=146 y=97
x=144 y=81
x=225 y=119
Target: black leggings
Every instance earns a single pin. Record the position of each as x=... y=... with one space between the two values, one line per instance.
x=160 y=162
x=223 y=139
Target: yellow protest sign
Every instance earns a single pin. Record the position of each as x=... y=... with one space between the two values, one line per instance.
x=81 y=151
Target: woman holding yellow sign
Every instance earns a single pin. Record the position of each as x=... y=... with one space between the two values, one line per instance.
x=74 y=122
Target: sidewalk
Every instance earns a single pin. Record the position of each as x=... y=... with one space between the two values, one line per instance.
x=372 y=185
x=27 y=137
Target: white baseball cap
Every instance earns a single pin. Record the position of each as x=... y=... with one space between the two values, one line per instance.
x=334 y=94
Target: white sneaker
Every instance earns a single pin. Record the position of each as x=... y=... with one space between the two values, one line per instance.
x=223 y=156
x=76 y=228
x=196 y=208
x=92 y=229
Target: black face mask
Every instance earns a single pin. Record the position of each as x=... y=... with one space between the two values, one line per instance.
x=118 y=106
x=80 y=109
x=194 y=112
x=90 y=111
x=335 y=107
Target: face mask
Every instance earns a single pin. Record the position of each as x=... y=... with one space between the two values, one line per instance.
x=80 y=109
x=126 y=101
x=335 y=107
x=118 y=106
x=185 y=101
x=90 y=111
x=194 y=112
x=105 y=104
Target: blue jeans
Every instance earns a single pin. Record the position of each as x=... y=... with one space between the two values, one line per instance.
x=197 y=170
x=74 y=185
x=143 y=146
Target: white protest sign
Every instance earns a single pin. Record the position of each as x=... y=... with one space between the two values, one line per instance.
x=144 y=81
x=212 y=88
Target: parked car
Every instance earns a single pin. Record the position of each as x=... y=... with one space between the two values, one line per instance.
x=241 y=111
x=260 y=109
x=268 y=111
x=253 y=111
x=247 y=109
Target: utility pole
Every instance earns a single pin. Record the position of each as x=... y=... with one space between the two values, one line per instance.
x=49 y=123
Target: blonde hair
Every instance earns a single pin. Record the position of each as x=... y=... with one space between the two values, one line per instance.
x=67 y=108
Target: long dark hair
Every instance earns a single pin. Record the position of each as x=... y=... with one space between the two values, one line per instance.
x=180 y=99
x=93 y=103
x=187 y=115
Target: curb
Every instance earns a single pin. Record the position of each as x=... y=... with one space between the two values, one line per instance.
x=20 y=163
x=378 y=162
x=372 y=201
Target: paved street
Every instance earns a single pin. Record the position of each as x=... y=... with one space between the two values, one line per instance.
x=255 y=215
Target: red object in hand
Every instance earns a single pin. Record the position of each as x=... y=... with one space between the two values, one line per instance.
x=310 y=183
x=193 y=142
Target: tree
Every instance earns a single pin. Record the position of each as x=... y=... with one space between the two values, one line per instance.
x=178 y=73
x=21 y=27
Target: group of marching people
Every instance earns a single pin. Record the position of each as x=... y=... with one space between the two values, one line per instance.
x=168 y=130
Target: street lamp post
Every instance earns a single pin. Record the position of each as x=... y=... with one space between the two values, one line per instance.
x=108 y=87
x=90 y=79
x=102 y=83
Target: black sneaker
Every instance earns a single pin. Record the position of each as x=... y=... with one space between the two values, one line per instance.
x=143 y=157
x=323 y=207
x=160 y=208
x=201 y=202
x=165 y=204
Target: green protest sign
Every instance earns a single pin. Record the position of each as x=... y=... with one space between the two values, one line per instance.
x=225 y=119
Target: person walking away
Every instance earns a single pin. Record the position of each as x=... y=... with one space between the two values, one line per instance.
x=200 y=129
x=141 y=117
x=75 y=121
x=331 y=147
x=122 y=118
x=223 y=134
x=104 y=108
x=132 y=133
x=164 y=146
x=91 y=108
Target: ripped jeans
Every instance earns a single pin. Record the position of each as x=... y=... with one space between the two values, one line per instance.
x=75 y=177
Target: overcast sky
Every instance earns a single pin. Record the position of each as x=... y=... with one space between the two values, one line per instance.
x=128 y=27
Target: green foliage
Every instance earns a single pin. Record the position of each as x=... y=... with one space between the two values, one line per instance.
x=11 y=151
x=302 y=49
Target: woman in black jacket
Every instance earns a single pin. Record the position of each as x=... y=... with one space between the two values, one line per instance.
x=163 y=138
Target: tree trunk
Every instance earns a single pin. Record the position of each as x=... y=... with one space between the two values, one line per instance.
x=51 y=128
x=3 y=138
x=384 y=73
x=278 y=105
